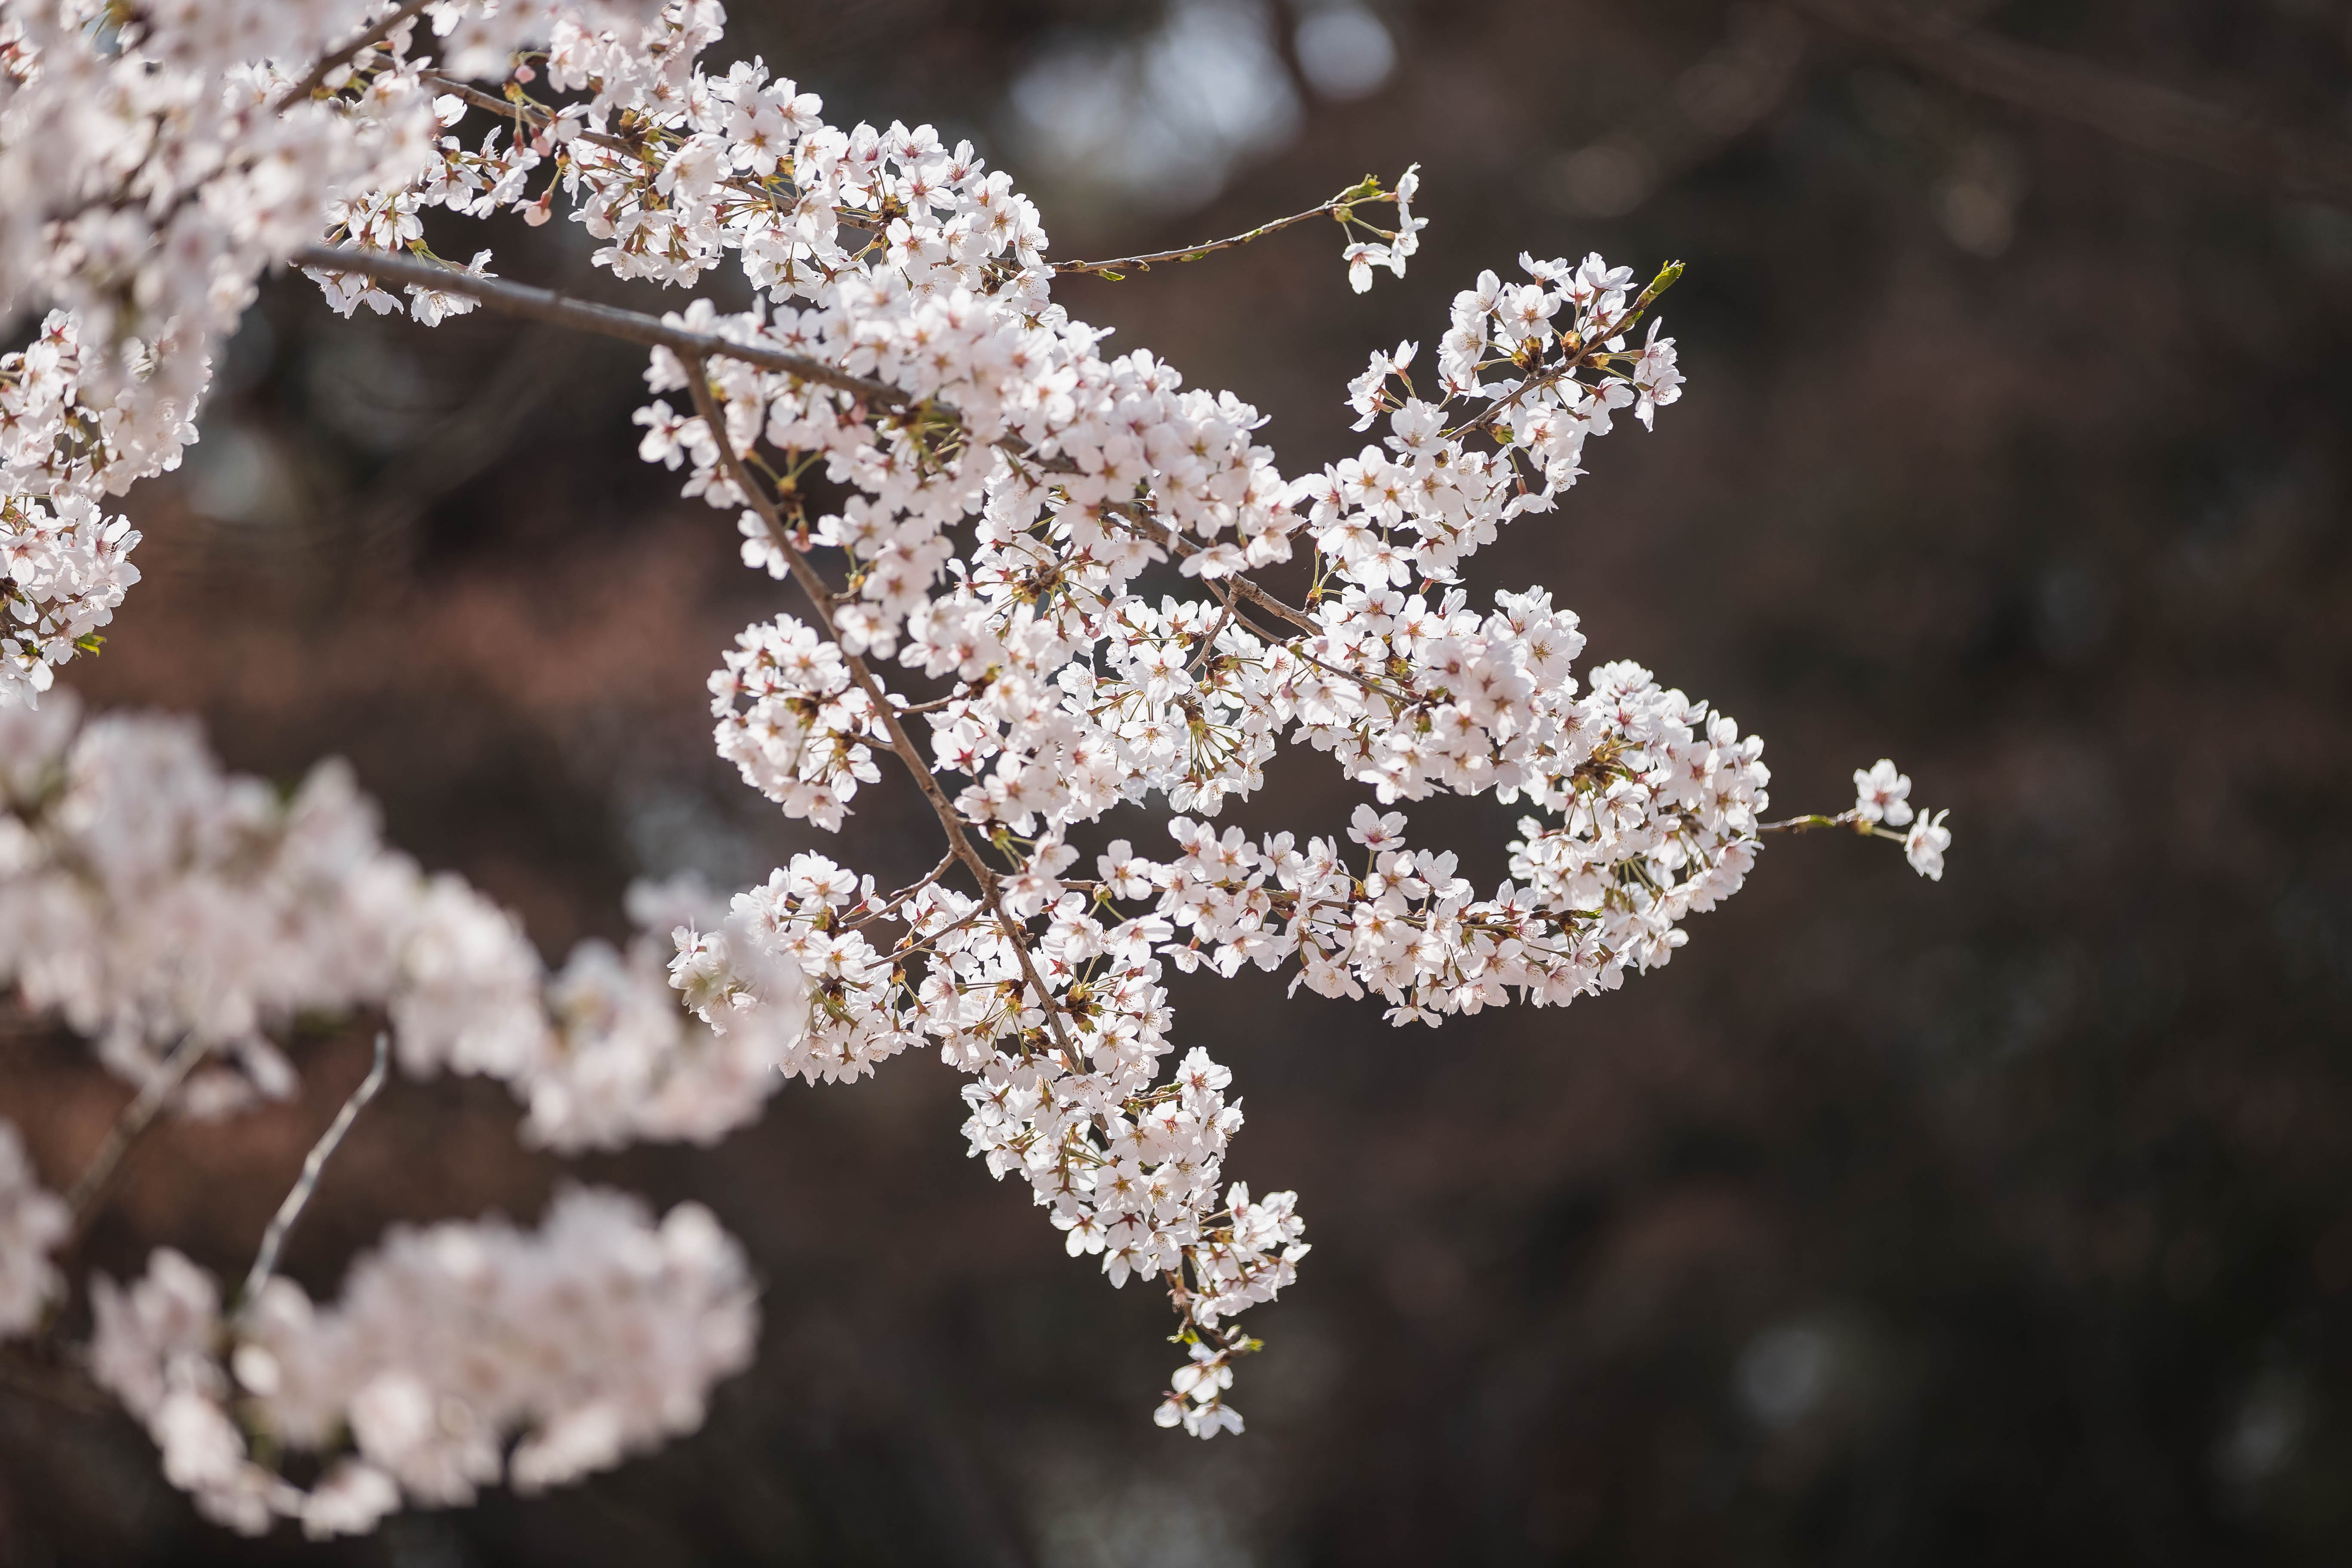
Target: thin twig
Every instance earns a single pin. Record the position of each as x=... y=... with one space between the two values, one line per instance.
x=90 y=1188
x=2137 y=113
x=1140 y=518
x=343 y=55
x=820 y=599
x=1851 y=821
x=1807 y=824
x=1367 y=190
x=1201 y=655
x=314 y=1164
x=935 y=704
x=947 y=863
x=1591 y=351
x=61 y=1385
x=538 y=116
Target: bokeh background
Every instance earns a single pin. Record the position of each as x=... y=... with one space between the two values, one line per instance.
x=2004 y=1220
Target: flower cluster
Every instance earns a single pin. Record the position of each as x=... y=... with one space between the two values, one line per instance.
x=149 y=899
x=1131 y=1167
x=599 y=1334
x=1883 y=794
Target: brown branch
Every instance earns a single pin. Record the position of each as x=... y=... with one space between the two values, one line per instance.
x=633 y=326
x=314 y=1164
x=821 y=600
x=1208 y=644
x=2137 y=113
x=1140 y=518
x=583 y=315
x=91 y=1188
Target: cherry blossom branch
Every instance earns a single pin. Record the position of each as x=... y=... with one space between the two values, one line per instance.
x=632 y=326
x=343 y=55
x=314 y=1164
x=821 y=600
x=1366 y=190
x=90 y=1188
x=538 y=117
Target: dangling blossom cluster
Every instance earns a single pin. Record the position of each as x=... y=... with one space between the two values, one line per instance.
x=593 y=1337
x=1061 y=549
x=151 y=901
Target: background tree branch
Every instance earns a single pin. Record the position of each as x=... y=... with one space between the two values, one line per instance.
x=2120 y=106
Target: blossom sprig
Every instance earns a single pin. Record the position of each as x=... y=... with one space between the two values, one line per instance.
x=1882 y=808
x=1390 y=247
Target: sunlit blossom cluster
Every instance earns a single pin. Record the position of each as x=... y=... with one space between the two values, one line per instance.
x=457 y=1355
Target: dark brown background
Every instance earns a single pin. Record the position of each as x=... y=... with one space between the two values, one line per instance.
x=2008 y=452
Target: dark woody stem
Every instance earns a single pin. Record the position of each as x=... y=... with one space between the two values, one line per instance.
x=821 y=600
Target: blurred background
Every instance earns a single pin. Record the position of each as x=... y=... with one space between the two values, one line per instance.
x=2008 y=1219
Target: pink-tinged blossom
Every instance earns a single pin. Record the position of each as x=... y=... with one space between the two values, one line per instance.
x=1882 y=795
